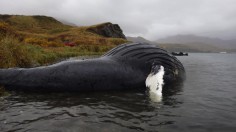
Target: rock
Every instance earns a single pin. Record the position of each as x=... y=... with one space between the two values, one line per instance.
x=107 y=30
x=179 y=54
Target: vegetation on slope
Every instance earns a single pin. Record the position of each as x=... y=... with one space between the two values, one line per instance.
x=27 y=41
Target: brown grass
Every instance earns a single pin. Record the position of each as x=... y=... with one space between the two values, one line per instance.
x=27 y=41
x=13 y=53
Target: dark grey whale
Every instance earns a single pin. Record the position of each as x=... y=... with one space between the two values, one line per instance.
x=123 y=67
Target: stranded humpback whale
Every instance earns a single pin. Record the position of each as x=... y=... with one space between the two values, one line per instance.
x=126 y=66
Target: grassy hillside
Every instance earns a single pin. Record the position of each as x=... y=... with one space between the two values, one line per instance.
x=27 y=41
x=33 y=24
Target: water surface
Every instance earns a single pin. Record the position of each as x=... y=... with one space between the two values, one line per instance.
x=206 y=101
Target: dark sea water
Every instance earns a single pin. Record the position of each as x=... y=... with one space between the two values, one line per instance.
x=205 y=102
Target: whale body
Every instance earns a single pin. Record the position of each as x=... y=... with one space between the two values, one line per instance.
x=124 y=67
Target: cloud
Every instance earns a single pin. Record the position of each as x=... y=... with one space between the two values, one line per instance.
x=152 y=19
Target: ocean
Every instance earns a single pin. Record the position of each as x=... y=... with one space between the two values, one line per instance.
x=205 y=102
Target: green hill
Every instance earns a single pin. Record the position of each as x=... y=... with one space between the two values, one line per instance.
x=35 y=24
x=27 y=41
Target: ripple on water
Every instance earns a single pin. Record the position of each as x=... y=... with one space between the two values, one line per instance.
x=132 y=111
x=206 y=102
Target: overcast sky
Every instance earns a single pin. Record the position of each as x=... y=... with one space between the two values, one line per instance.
x=152 y=19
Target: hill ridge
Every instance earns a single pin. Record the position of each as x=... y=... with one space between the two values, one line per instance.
x=194 y=39
x=39 y=29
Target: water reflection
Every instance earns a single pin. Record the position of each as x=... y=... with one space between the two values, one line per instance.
x=170 y=92
x=106 y=111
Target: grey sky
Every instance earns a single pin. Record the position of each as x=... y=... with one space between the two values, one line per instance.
x=152 y=19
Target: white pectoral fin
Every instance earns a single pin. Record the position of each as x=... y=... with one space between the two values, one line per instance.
x=155 y=82
x=151 y=82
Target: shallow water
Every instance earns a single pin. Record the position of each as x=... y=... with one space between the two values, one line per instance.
x=205 y=102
